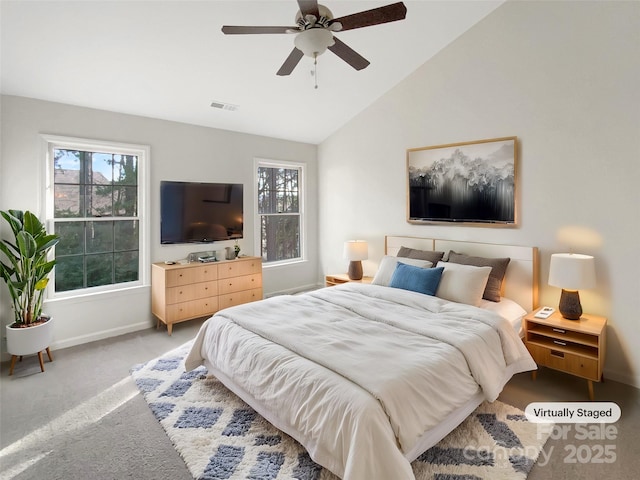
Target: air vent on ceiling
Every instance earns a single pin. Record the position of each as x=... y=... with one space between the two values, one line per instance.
x=224 y=106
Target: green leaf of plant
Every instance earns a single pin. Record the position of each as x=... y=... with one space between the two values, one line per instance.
x=26 y=244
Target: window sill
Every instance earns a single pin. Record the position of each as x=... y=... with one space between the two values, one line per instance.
x=105 y=295
x=284 y=263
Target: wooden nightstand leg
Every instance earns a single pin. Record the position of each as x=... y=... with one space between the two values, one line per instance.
x=590 y=390
x=534 y=374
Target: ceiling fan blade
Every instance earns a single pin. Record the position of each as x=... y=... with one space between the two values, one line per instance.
x=290 y=63
x=241 y=30
x=309 y=7
x=376 y=16
x=349 y=55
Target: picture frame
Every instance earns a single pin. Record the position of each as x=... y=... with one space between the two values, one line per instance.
x=470 y=183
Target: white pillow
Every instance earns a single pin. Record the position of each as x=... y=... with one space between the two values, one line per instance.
x=388 y=266
x=462 y=283
x=507 y=309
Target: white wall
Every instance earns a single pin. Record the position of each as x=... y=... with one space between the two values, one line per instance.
x=178 y=152
x=564 y=78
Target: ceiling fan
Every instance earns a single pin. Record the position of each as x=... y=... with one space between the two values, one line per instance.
x=315 y=27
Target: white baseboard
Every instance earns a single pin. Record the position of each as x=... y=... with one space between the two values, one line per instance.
x=92 y=337
x=633 y=380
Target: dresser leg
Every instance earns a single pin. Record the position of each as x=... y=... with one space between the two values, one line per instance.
x=169 y=328
x=590 y=383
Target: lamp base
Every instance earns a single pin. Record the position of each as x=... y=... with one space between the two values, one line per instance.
x=569 y=306
x=355 y=270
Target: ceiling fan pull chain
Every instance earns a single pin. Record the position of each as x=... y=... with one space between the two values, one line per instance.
x=315 y=70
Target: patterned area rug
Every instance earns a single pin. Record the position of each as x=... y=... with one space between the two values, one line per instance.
x=221 y=437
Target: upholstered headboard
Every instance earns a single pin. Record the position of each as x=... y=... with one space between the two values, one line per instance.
x=521 y=281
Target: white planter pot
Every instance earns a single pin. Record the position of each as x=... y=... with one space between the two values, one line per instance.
x=25 y=341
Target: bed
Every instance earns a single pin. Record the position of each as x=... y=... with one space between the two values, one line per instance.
x=367 y=377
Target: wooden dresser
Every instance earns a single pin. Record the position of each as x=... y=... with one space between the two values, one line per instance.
x=184 y=292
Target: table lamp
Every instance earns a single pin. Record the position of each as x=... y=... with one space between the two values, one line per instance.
x=355 y=251
x=571 y=272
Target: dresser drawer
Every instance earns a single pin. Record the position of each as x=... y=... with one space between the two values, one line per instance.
x=182 y=276
x=238 y=284
x=194 y=291
x=192 y=309
x=239 y=267
x=566 y=362
x=237 y=298
x=206 y=273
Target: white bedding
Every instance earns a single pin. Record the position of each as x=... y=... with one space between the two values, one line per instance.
x=358 y=373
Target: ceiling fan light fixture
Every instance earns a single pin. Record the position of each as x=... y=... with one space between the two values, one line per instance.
x=314 y=42
x=314 y=29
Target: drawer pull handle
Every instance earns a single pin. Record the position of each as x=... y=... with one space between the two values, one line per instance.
x=555 y=353
x=558 y=342
x=559 y=330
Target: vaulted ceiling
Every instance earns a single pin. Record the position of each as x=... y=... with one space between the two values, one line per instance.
x=170 y=60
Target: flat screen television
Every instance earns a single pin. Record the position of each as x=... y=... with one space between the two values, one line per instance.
x=194 y=212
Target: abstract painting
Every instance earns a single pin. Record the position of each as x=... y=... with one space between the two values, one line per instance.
x=468 y=182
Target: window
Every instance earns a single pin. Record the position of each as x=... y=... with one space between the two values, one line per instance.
x=95 y=202
x=279 y=211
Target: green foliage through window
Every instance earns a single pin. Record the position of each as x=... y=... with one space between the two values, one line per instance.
x=279 y=210
x=95 y=204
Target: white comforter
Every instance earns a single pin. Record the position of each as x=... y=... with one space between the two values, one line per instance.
x=357 y=373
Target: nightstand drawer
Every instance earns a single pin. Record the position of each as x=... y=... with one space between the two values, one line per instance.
x=565 y=362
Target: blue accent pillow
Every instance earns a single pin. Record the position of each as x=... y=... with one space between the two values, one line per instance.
x=416 y=279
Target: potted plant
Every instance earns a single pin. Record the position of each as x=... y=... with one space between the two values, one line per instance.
x=26 y=273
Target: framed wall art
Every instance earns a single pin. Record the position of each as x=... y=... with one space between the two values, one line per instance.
x=469 y=183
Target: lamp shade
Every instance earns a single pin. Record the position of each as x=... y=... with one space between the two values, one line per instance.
x=572 y=271
x=313 y=41
x=356 y=250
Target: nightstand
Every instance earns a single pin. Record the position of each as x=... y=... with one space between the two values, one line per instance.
x=576 y=347
x=331 y=280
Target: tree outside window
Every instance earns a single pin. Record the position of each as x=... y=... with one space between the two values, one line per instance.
x=95 y=208
x=279 y=212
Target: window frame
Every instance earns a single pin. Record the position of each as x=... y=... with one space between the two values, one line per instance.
x=302 y=192
x=51 y=142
